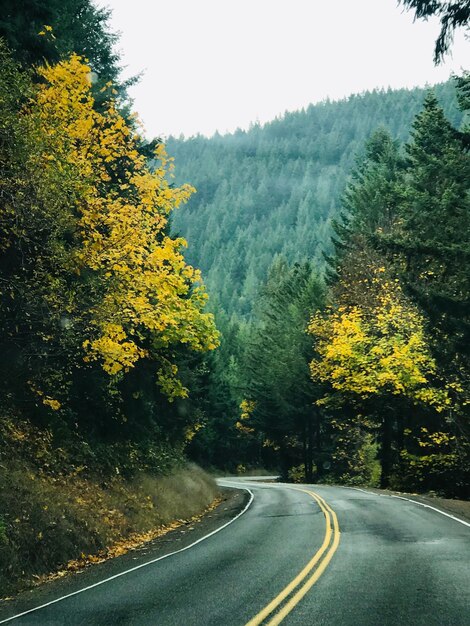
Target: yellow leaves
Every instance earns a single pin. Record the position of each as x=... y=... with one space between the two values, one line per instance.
x=53 y=404
x=150 y=298
x=169 y=383
x=47 y=32
x=371 y=351
x=435 y=440
x=192 y=430
x=247 y=408
x=268 y=443
x=117 y=353
x=246 y=430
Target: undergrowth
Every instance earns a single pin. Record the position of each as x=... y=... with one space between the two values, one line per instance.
x=49 y=518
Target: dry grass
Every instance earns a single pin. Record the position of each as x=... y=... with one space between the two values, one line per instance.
x=47 y=522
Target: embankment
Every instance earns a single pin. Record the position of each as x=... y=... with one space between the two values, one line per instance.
x=51 y=524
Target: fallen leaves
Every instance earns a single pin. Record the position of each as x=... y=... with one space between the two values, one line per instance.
x=125 y=545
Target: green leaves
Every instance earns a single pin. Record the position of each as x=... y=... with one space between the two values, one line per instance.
x=394 y=346
x=97 y=301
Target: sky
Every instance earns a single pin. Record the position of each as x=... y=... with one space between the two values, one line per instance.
x=218 y=65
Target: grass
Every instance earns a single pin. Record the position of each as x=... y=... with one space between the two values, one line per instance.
x=48 y=522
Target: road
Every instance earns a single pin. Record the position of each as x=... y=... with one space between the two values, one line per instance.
x=300 y=555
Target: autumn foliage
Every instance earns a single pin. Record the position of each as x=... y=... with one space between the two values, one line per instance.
x=391 y=350
x=377 y=350
x=149 y=298
x=99 y=308
x=100 y=315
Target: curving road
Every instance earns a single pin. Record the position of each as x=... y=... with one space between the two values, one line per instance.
x=300 y=555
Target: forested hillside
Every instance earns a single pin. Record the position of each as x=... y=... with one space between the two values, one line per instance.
x=377 y=392
x=102 y=321
x=335 y=244
x=273 y=190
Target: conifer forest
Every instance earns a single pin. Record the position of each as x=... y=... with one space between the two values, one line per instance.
x=293 y=297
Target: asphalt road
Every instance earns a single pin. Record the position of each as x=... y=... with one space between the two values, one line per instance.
x=343 y=557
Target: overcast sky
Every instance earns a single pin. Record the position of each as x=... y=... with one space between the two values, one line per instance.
x=220 y=64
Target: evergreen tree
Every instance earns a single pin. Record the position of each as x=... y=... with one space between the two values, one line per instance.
x=451 y=14
x=37 y=31
x=275 y=189
x=277 y=376
x=97 y=302
x=402 y=253
x=433 y=235
x=371 y=200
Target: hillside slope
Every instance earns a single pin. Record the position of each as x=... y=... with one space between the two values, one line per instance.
x=274 y=189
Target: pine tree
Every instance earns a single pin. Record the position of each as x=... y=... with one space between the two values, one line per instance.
x=371 y=200
x=434 y=233
x=452 y=16
x=277 y=374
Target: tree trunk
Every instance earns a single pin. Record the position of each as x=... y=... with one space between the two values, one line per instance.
x=386 y=450
x=318 y=441
x=309 y=455
x=305 y=450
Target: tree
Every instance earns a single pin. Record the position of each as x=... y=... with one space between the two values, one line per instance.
x=451 y=14
x=406 y=219
x=97 y=299
x=372 y=353
x=235 y=232
x=431 y=241
x=145 y=286
x=371 y=199
x=72 y=26
x=221 y=442
x=276 y=369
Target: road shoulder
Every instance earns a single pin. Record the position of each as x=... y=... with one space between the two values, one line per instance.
x=233 y=501
x=458 y=508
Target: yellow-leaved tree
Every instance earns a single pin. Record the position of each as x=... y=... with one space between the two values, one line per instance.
x=133 y=296
x=378 y=350
x=374 y=358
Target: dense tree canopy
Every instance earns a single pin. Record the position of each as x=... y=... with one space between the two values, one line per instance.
x=106 y=340
x=276 y=364
x=97 y=299
x=75 y=26
x=275 y=189
x=393 y=348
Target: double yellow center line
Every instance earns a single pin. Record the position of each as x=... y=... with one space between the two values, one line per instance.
x=295 y=590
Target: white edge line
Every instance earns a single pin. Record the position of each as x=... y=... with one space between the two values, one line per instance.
x=133 y=569
x=426 y=506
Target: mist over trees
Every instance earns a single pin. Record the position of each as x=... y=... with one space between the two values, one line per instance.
x=331 y=345
x=369 y=196
x=334 y=244
x=275 y=190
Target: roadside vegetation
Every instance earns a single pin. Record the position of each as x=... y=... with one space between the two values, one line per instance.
x=341 y=352
x=359 y=374
x=54 y=525
x=102 y=321
x=349 y=360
